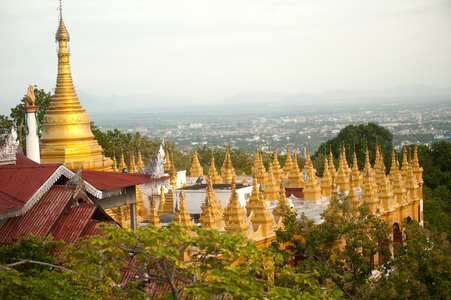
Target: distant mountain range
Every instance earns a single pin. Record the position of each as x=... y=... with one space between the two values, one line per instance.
x=150 y=102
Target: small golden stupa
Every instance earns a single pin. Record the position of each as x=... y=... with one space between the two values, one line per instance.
x=67 y=136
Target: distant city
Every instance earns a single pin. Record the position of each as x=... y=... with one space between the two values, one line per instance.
x=422 y=120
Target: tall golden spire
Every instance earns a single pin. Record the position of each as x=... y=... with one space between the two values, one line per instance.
x=212 y=173
x=288 y=162
x=140 y=164
x=312 y=190
x=167 y=164
x=115 y=164
x=67 y=136
x=261 y=217
x=417 y=170
x=277 y=171
x=357 y=177
x=122 y=164
x=342 y=179
x=326 y=182
x=258 y=169
x=227 y=171
x=282 y=206
x=235 y=215
x=162 y=201
x=181 y=214
x=332 y=170
x=271 y=189
x=294 y=177
x=254 y=198
x=369 y=192
x=208 y=218
x=154 y=220
x=196 y=169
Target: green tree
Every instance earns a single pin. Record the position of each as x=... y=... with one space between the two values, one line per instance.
x=340 y=247
x=194 y=262
x=28 y=271
x=420 y=270
x=360 y=137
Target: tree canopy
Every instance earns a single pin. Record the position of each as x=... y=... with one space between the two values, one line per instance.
x=360 y=138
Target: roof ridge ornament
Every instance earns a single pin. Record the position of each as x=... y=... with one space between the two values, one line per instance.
x=10 y=147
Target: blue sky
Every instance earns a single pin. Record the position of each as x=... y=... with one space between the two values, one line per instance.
x=210 y=49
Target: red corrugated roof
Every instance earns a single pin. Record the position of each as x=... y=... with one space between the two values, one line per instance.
x=40 y=219
x=108 y=181
x=23 y=160
x=19 y=182
x=73 y=222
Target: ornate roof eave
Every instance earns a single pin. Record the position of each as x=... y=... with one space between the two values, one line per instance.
x=60 y=171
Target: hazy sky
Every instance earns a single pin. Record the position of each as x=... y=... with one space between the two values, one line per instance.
x=211 y=48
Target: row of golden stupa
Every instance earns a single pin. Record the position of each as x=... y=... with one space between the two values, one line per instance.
x=394 y=196
x=67 y=139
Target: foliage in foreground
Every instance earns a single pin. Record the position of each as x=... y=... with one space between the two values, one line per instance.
x=194 y=262
x=421 y=269
x=340 y=250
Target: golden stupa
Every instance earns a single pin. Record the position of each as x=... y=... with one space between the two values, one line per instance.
x=67 y=136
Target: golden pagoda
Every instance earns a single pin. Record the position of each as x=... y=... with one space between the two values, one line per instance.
x=262 y=218
x=326 y=181
x=332 y=170
x=212 y=173
x=276 y=169
x=181 y=214
x=208 y=219
x=254 y=198
x=235 y=215
x=312 y=190
x=283 y=205
x=271 y=189
x=67 y=136
x=417 y=170
x=294 y=176
x=162 y=200
x=167 y=164
x=356 y=176
x=154 y=220
x=258 y=169
x=140 y=163
x=342 y=178
x=288 y=162
x=216 y=205
x=168 y=205
x=398 y=186
x=115 y=164
x=196 y=169
x=122 y=164
x=227 y=171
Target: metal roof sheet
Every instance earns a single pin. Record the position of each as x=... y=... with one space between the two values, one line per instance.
x=73 y=222
x=23 y=160
x=108 y=181
x=19 y=182
x=40 y=219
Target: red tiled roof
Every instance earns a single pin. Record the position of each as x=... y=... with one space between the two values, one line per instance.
x=108 y=181
x=19 y=182
x=73 y=222
x=40 y=219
